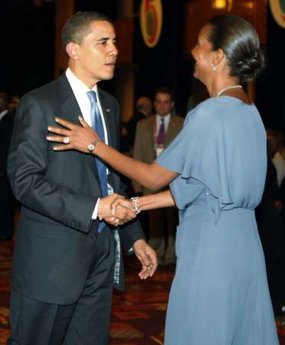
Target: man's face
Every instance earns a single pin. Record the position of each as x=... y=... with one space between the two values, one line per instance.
x=163 y=104
x=145 y=105
x=95 y=57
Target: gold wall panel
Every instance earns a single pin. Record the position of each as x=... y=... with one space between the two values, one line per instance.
x=125 y=34
x=63 y=9
x=197 y=12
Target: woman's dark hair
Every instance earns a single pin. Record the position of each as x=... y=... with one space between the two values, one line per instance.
x=77 y=26
x=240 y=43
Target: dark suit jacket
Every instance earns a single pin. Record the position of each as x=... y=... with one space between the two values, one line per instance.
x=58 y=191
x=7 y=201
x=6 y=128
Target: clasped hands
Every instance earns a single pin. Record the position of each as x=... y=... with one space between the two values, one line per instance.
x=116 y=210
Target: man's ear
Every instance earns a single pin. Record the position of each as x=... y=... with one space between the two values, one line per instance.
x=72 y=49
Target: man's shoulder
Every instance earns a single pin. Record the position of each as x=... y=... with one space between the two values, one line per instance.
x=148 y=121
x=177 y=120
x=106 y=95
x=51 y=88
x=138 y=116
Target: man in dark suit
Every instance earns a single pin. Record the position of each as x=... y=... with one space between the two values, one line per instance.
x=64 y=256
x=143 y=110
x=7 y=202
x=271 y=228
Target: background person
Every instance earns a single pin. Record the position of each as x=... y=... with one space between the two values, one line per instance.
x=144 y=109
x=271 y=228
x=153 y=135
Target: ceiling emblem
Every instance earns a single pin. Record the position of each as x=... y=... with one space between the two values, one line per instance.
x=151 y=21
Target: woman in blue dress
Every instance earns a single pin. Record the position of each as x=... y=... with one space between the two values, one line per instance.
x=216 y=170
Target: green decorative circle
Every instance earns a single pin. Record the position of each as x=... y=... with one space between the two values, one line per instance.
x=282 y=5
x=151 y=23
x=278 y=11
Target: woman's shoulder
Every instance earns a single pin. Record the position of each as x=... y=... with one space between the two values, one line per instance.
x=205 y=111
x=216 y=108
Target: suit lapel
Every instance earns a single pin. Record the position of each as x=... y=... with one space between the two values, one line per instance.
x=109 y=118
x=69 y=105
x=152 y=129
x=70 y=111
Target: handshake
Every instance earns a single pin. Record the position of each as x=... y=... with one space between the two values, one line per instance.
x=116 y=210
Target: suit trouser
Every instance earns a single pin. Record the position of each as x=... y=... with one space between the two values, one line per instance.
x=86 y=322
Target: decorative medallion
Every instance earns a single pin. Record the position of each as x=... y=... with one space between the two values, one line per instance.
x=278 y=10
x=151 y=21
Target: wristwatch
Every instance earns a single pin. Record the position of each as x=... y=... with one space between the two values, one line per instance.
x=91 y=147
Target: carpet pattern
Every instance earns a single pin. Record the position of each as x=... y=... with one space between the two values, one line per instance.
x=137 y=315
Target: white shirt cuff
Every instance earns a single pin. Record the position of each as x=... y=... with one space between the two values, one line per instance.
x=95 y=212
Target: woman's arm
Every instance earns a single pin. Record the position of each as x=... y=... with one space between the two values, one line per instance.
x=74 y=137
x=152 y=176
x=147 y=202
x=157 y=200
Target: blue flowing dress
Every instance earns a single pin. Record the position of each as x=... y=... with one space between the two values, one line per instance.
x=219 y=295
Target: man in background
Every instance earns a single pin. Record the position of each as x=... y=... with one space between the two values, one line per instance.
x=153 y=134
x=143 y=109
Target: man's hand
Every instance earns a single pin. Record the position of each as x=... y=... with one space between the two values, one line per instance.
x=119 y=204
x=147 y=257
x=119 y=215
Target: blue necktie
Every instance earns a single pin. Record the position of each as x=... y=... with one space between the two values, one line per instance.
x=97 y=125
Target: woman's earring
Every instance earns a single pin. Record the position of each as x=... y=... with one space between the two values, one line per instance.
x=214 y=67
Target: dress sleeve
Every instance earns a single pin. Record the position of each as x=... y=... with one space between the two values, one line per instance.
x=198 y=153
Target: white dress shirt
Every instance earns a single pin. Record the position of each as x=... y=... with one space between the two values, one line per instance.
x=3 y=113
x=80 y=92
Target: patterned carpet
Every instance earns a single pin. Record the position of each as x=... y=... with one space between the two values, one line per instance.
x=137 y=315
